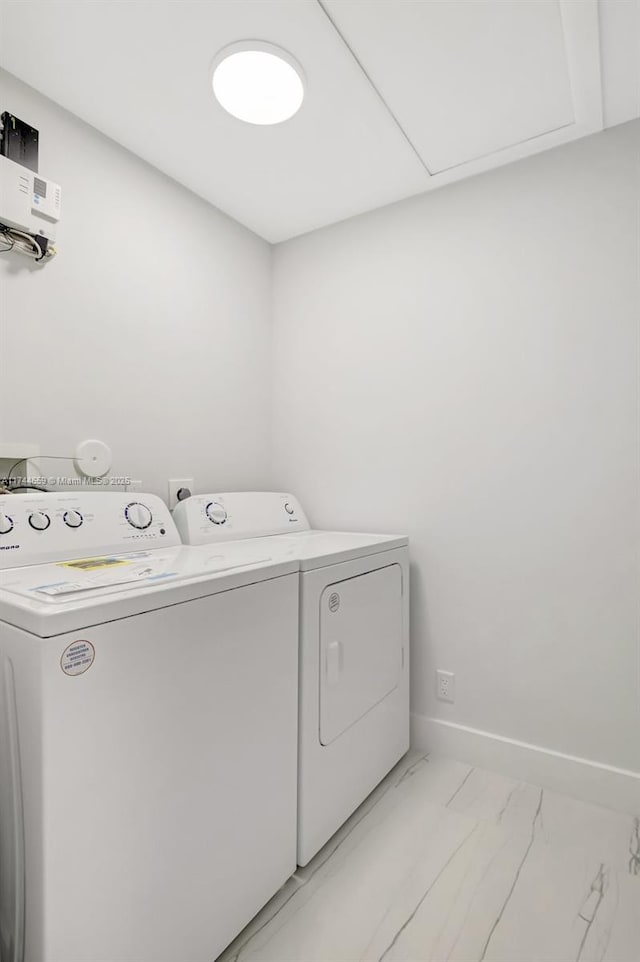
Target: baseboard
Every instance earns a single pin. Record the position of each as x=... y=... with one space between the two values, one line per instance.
x=582 y=778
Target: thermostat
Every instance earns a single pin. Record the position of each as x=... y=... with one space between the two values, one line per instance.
x=29 y=202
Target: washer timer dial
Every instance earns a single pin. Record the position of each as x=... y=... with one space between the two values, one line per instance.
x=138 y=515
x=6 y=523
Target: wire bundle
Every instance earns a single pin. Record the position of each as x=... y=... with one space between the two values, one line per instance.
x=24 y=243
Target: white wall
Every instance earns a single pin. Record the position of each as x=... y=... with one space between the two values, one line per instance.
x=463 y=366
x=150 y=329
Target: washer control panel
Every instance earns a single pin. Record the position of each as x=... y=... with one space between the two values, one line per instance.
x=236 y=515
x=60 y=526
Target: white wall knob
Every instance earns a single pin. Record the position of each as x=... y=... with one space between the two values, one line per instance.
x=93 y=458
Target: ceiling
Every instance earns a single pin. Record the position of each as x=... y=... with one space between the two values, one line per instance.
x=402 y=97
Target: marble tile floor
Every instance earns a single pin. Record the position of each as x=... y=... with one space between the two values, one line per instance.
x=449 y=862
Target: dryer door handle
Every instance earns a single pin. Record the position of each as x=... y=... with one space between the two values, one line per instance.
x=334 y=662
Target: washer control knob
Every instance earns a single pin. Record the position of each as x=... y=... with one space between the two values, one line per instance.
x=216 y=513
x=138 y=515
x=73 y=519
x=39 y=520
x=6 y=523
x=289 y=508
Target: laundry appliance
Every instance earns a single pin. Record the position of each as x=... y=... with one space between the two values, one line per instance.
x=148 y=714
x=354 y=647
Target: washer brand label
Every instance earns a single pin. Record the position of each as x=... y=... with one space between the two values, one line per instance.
x=77 y=657
x=8 y=547
x=334 y=601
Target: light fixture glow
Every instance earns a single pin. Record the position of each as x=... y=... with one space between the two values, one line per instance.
x=258 y=82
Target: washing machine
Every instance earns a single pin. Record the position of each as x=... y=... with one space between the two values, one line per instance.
x=148 y=732
x=354 y=647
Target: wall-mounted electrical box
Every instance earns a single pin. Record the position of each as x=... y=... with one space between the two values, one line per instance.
x=28 y=201
x=19 y=141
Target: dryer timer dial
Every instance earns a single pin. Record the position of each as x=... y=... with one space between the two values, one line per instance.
x=216 y=513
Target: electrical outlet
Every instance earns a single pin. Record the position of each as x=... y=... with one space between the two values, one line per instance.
x=445 y=685
x=175 y=485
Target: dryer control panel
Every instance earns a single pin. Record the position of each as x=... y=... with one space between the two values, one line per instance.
x=65 y=525
x=235 y=515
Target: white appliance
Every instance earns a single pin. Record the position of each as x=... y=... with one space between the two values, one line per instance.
x=148 y=746
x=354 y=647
x=28 y=201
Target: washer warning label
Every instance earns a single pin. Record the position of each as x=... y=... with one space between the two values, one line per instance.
x=77 y=657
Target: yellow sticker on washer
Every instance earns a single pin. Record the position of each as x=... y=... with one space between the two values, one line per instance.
x=91 y=564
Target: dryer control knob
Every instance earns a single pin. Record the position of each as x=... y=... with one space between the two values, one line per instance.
x=39 y=520
x=73 y=519
x=216 y=513
x=289 y=508
x=138 y=515
x=6 y=523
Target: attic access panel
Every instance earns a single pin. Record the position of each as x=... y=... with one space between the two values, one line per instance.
x=464 y=79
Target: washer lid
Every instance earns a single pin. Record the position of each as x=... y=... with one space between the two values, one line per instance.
x=50 y=599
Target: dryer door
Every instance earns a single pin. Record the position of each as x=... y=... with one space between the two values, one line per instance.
x=360 y=647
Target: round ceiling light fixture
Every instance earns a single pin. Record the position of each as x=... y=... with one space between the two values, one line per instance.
x=258 y=82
